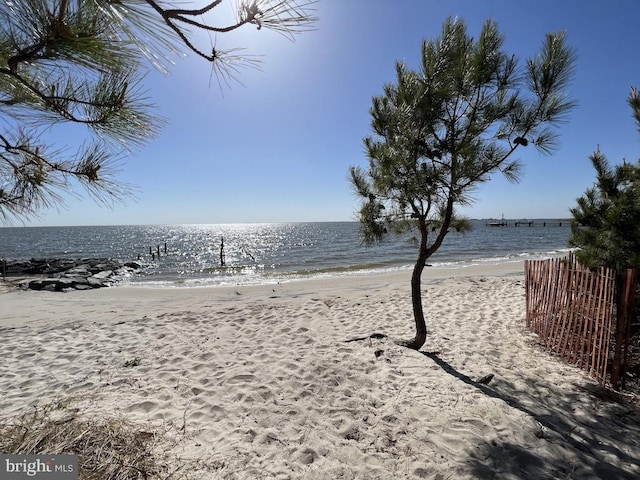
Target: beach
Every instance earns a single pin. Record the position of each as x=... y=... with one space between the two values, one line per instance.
x=261 y=382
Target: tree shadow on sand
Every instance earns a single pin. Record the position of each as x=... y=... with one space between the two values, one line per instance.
x=604 y=443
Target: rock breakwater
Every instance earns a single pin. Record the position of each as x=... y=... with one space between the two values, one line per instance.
x=61 y=274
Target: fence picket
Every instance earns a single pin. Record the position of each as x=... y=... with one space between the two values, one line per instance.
x=564 y=330
x=578 y=314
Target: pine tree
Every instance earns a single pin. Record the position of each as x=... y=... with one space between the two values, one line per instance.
x=606 y=219
x=440 y=131
x=606 y=231
x=79 y=62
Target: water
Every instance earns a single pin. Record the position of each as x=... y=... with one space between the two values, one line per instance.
x=267 y=253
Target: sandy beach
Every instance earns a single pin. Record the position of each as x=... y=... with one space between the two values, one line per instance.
x=258 y=382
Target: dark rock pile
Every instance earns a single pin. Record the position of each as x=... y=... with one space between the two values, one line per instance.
x=60 y=274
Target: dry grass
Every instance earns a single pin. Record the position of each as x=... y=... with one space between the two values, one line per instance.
x=111 y=449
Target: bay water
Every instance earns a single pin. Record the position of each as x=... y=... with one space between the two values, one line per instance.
x=273 y=252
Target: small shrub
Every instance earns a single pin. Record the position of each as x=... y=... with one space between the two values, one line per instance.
x=106 y=448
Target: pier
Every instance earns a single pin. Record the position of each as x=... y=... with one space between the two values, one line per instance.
x=526 y=223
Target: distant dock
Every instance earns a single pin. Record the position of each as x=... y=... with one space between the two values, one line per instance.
x=526 y=223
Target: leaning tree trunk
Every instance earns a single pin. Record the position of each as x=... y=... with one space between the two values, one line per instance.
x=416 y=294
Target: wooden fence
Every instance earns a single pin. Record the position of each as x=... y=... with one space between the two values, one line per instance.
x=580 y=315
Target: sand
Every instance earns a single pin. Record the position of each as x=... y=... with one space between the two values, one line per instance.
x=257 y=382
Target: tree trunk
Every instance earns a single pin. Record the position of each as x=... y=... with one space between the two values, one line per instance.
x=416 y=293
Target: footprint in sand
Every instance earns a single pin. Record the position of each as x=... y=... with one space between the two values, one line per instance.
x=145 y=407
x=238 y=379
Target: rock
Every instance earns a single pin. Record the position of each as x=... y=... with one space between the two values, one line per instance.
x=35 y=285
x=82 y=270
x=43 y=283
x=94 y=282
x=66 y=282
x=103 y=274
x=65 y=274
x=100 y=267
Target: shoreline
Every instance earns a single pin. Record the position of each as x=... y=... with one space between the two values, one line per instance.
x=27 y=312
x=431 y=270
x=258 y=381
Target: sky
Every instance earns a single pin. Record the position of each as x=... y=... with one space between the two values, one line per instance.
x=277 y=147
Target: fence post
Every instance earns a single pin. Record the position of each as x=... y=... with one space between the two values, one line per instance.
x=630 y=296
x=625 y=292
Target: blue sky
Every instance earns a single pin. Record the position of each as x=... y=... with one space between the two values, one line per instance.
x=278 y=146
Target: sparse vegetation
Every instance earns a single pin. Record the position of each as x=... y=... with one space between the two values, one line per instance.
x=134 y=362
x=109 y=448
